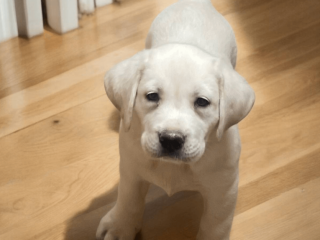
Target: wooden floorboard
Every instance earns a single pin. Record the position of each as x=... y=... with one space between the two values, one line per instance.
x=59 y=140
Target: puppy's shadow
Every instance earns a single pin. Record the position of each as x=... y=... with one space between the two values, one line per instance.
x=83 y=225
x=114 y=120
x=165 y=218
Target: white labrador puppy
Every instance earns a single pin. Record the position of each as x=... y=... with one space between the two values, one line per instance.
x=180 y=101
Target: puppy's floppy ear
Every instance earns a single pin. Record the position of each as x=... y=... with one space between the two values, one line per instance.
x=236 y=97
x=121 y=83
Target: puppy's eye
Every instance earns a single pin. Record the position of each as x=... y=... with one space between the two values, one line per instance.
x=202 y=102
x=153 y=97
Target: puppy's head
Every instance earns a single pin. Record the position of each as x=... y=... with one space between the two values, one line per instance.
x=181 y=95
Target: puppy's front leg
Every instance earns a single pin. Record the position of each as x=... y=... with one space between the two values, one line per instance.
x=123 y=221
x=219 y=204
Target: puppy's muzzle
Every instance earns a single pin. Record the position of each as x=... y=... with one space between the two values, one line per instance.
x=171 y=141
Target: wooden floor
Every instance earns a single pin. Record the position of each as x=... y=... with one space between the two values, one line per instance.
x=58 y=130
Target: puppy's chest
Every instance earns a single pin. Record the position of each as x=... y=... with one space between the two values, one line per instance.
x=172 y=178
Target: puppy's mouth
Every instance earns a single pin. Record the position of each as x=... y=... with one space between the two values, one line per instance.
x=178 y=156
x=172 y=149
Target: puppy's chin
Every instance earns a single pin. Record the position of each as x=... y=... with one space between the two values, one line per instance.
x=174 y=157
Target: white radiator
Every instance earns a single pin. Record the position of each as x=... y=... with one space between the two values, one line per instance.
x=29 y=17
x=8 y=22
x=24 y=17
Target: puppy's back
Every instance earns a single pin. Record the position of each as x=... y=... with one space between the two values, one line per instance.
x=194 y=22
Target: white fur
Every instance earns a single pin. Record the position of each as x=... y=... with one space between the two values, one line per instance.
x=190 y=53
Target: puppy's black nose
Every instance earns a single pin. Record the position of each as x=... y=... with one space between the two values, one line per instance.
x=171 y=141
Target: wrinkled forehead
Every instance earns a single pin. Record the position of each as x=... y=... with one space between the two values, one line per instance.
x=180 y=68
x=179 y=60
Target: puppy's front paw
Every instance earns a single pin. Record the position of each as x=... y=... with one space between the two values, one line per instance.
x=113 y=227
